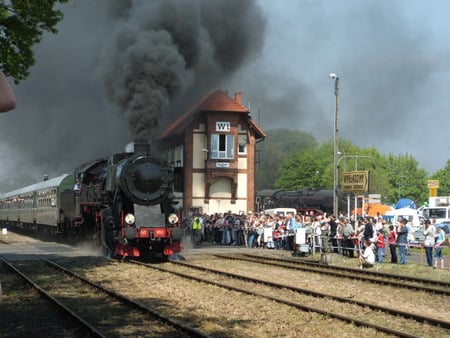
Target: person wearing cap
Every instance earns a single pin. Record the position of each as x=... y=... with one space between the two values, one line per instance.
x=429 y=240
x=402 y=240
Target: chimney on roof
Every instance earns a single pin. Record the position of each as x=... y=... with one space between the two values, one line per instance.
x=238 y=97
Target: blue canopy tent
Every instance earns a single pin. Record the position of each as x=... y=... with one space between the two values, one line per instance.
x=405 y=203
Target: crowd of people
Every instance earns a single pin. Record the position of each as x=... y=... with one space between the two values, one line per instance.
x=366 y=238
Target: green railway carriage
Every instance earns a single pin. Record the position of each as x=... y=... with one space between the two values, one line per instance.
x=38 y=206
x=107 y=202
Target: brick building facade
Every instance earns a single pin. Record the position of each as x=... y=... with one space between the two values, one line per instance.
x=212 y=149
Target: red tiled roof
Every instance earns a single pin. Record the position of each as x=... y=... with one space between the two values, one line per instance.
x=220 y=101
x=216 y=101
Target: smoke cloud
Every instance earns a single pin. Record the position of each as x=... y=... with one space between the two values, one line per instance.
x=115 y=70
x=159 y=50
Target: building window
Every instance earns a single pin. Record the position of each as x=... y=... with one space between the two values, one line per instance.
x=222 y=146
x=242 y=144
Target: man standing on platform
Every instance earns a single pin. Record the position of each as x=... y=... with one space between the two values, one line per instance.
x=402 y=240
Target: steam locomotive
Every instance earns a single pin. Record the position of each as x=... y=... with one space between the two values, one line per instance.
x=301 y=199
x=109 y=201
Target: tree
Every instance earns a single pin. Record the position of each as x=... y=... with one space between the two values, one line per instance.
x=22 y=25
x=311 y=168
x=443 y=175
x=271 y=153
x=406 y=179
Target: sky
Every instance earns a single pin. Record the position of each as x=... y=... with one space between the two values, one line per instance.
x=117 y=70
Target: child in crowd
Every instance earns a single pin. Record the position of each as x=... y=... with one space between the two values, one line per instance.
x=440 y=238
x=380 y=246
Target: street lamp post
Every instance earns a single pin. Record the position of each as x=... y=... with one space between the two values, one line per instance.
x=335 y=143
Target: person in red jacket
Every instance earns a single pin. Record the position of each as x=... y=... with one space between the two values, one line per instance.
x=381 y=243
x=393 y=243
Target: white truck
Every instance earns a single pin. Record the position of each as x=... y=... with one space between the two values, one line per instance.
x=438 y=209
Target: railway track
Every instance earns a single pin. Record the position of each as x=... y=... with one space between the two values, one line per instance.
x=360 y=313
x=95 y=310
x=280 y=295
x=408 y=282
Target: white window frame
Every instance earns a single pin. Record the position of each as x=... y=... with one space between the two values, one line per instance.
x=222 y=147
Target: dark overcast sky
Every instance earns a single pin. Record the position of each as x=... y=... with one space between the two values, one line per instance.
x=392 y=58
x=88 y=95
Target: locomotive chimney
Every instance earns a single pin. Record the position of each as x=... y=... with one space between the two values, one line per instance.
x=141 y=148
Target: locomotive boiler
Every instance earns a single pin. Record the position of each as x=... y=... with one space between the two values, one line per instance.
x=123 y=203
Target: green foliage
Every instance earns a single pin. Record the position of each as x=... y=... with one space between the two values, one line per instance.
x=310 y=168
x=291 y=160
x=443 y=175
x=22 y=24
x=279 y=144
x=405 y=179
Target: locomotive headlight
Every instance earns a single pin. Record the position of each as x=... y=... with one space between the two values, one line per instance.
x=173 y=219
x=129 y=219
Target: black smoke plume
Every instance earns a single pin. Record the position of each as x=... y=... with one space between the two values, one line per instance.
x=160 y=50
x=145 y=55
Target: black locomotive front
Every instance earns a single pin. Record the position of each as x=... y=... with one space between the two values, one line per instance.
x=120 y=190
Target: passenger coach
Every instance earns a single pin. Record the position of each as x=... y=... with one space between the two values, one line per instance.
x=36 y=207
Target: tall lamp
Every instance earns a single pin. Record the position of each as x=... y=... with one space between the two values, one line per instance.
x=334 y=77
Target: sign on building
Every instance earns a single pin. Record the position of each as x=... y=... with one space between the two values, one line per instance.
x=356 y=181
x=223 y=126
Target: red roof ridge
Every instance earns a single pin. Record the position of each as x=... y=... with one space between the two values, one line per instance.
x=216 y=101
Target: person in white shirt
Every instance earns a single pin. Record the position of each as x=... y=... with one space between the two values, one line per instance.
x=367 y=258
x=429 y=240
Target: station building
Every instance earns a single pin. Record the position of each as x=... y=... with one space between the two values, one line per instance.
x=212 y=149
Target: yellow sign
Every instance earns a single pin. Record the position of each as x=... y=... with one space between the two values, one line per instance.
x=433 y=184
x=356 y=181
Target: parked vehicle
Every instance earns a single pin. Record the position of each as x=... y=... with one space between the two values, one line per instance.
x=439 y=213
x=415 y=221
